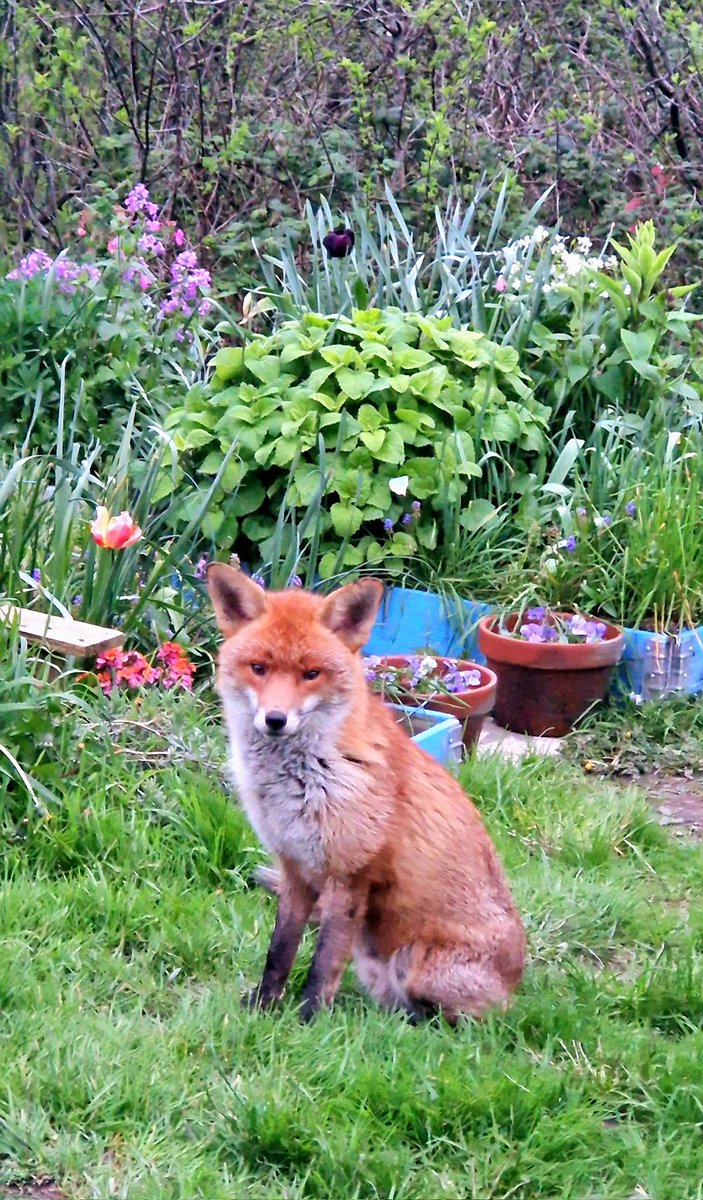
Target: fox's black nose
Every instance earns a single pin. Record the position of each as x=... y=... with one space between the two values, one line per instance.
x=275 y=721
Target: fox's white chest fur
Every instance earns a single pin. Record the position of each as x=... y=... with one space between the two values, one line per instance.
x=297 y=791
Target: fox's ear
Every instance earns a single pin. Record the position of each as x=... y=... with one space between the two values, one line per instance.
x=236 y=599
x=351 y=611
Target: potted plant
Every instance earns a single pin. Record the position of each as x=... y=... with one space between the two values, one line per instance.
x=551 y=667
x=462 y=689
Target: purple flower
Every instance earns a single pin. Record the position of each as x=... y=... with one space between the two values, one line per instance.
x=257 y=578
x=138 y=201
x=388 y=525
x=591 y=631
x=532 y=632
x=67 y=273
x=370 y=667
x=407 y=519
x=295 y=581
x=148 y=244
x=630 y=508
x=580 y=513
x=77 y=601
x=416 y=507
x=36 y=575
x=536 y=614
x=460 y=681
x=607 y=519
x=339 y=242
x=570 y=544
x=201 y=567
x=29 y=266
x=188 y=283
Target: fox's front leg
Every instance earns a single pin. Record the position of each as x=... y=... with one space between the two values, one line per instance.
x=341 y=908
x=296 y=901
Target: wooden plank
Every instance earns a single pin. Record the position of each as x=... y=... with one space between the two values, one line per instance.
x=62 y=633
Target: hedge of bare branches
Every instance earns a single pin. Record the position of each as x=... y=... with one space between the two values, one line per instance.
x=237 y=110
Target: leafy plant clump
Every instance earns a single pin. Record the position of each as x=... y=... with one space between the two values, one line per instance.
x=639 y=739
x=407 y=408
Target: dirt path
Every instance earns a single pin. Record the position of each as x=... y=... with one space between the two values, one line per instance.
x=677 y=802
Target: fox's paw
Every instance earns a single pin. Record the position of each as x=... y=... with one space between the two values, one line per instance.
x=259 y=998
x=309 y=1010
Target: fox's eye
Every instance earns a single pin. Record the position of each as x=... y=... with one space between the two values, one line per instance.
x=258 y=668
x=310 y=674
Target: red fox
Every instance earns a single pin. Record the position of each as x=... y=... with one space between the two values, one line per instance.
x=369 y=832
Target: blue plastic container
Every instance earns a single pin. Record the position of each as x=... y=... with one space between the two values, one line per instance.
x=411 y=620
x=654 y=665
x=434 y=732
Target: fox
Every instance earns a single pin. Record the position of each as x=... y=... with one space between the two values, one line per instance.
x=373 y=840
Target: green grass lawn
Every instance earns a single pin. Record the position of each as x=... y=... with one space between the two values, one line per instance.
x=129 y=1070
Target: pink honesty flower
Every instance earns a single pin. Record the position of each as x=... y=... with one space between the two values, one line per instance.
x=114 y=533
x=179 y=237
x=501 y=284
x=113 y=245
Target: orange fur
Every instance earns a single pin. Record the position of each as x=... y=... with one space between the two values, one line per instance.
x=369 y=831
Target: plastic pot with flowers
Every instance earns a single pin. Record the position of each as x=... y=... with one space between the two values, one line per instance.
x=551 y=667
x=461 y=689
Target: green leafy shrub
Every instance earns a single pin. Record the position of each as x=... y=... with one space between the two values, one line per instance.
x=388 y=395
x=613 y=335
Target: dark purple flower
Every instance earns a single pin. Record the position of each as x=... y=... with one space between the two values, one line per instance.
x=630 y=508
x=36 y=575
x=570 y=544
x=339 y=242
x=76 y=601
x=388 y=525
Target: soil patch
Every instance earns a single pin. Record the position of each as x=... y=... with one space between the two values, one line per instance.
x=38 y=1189
x=677 y=801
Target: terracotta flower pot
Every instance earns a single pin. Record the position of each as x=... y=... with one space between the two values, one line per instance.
x=544 y=688
x=470 y=707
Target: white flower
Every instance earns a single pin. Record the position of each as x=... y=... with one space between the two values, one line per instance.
x=540 y=234
x=399 y=485
x=427 y=666
x=583 y=244
x=573 y=263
